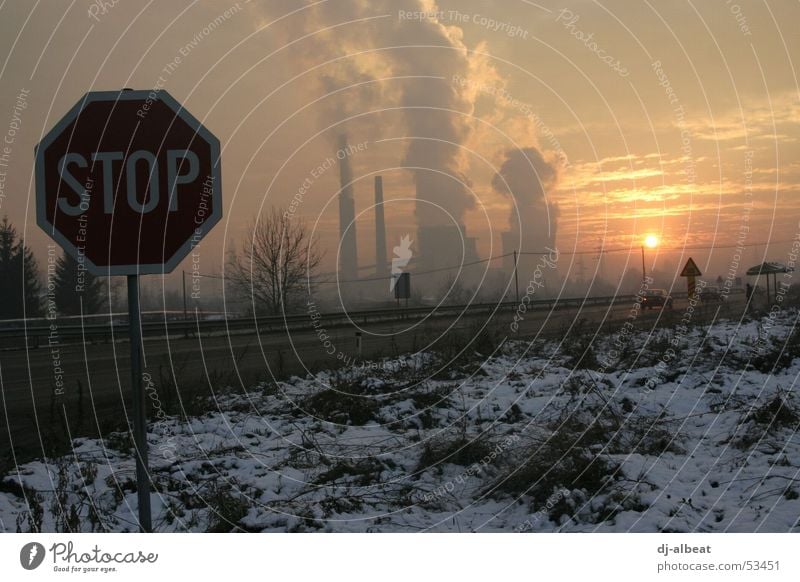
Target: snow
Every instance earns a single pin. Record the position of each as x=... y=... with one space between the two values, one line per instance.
x=494 y=447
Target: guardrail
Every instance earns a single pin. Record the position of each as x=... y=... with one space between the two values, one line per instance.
x=35 y=333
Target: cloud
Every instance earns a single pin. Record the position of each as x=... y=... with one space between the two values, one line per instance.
x=398 y=71
x=527 y=176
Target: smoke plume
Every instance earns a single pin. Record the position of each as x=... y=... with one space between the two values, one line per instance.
x=526 y=177
x=399 y=70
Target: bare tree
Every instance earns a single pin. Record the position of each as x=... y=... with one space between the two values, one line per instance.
x=273 y=268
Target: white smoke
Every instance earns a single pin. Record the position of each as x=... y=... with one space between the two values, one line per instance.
x=421 y=105
x=527 y=177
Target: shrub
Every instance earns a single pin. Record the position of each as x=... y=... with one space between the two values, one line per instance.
x=361 y=472
x=766 y=419
x=334 y=406
x=559 y=463
x=225 y=510
x=459 y=451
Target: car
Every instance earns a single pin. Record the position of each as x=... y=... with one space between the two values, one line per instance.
x=654 y=298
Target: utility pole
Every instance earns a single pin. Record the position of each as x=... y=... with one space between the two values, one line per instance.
x=599 y=257
x=644 y=271
x=516 y=276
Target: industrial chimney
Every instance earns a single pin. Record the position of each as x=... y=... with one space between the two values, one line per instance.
x=381 y=264
x=348 y=259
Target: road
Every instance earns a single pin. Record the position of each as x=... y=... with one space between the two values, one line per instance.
x=184 y=372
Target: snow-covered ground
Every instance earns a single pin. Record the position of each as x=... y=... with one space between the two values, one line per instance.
x=632 y=437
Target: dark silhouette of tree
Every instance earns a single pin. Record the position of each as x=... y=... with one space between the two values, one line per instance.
x=20 y=288
x=74 y=284
x=272 y=269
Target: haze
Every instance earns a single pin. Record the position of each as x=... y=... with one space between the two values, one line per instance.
x=584 y=125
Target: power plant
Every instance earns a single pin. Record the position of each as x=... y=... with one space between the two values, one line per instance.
x=348 y=246
x=444 y=245
x=437 y=248
x=381 y=264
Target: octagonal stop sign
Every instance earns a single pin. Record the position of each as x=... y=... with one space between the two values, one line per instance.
x=128 y=182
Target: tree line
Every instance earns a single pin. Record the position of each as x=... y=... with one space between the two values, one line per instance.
x=22 y=294
x=272 y=273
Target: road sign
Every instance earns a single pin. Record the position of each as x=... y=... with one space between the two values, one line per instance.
x=690 y=269
x=691 y=287
x=128 y=182
x=402 y=286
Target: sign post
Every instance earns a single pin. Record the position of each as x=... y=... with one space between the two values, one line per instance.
x=691 y=272
x=128 y=183
x=402 y=287
x=139 y=406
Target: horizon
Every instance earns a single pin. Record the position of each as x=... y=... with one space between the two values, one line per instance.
x=668 y=139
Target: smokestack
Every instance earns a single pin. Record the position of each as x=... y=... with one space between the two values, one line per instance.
x=381 y=265
x=348 y=260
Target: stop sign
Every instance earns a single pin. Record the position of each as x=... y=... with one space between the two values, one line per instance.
x=128 y=182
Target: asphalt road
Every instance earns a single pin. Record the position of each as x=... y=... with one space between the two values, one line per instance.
x=94 y=379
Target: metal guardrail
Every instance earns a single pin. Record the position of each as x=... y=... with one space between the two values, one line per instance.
x=35 y=333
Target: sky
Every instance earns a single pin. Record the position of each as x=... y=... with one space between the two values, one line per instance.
x=595 y=122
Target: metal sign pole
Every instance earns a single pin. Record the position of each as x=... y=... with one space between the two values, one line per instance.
x=139 y=408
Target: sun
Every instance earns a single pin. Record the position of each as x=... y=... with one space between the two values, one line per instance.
x=651 y=241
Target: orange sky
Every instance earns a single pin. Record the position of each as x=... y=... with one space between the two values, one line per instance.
x=675 y=118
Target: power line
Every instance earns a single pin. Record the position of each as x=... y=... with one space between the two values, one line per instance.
x=418 y=273
x=596 y=252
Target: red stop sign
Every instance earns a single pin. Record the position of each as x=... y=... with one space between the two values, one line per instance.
x=128 y=182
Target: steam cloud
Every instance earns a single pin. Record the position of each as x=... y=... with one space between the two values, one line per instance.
x=423 y=55
x=526 y=177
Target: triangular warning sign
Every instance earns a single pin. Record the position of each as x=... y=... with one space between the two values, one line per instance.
x=690 y=269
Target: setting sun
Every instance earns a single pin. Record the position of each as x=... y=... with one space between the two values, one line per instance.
x=651 y=241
